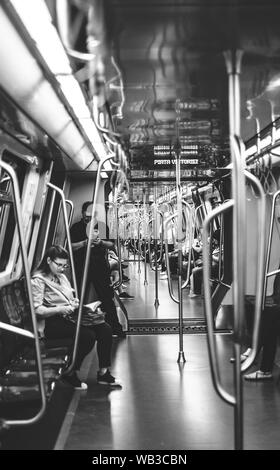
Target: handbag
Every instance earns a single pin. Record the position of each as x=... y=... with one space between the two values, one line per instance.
x=92 y=315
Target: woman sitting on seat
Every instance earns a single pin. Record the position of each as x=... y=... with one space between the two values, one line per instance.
x=55 y=303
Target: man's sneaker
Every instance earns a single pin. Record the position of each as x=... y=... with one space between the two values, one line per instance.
x=107 y=379
x=192 y=295
x=258 y=375
x=125 y=295
x=243 y=356
x=75 y=382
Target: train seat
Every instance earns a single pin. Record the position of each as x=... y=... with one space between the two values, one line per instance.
x=18 y=371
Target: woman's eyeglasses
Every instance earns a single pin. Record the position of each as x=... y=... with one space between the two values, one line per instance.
x=61 y=266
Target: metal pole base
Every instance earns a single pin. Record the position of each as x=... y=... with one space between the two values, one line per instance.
x=181 y=357
x=156 y=304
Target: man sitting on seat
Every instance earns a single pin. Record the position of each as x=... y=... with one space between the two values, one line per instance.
x=99 y=271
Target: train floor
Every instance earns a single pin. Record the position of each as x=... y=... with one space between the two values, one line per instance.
x=143 y=306
x=162 y=404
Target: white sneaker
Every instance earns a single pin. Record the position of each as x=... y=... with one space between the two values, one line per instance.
x=258 y=375
x=192 y=295
x=75 y=382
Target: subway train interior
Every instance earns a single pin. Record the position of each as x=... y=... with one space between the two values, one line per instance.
x=163 y=116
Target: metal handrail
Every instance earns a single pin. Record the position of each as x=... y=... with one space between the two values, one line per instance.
x=239 y=234
x=50 y=212
x=207 y=292
x=208 y=304
x=120 y=280
x=70 y=216
x=149 y=242
x=267 y=274
x=68 y=237
x=156 y=303
x=143 y=234
x=34 y=335
x=221 y=252
x=70 y=251
x=161 y=234
x=138 y=236
x=261 y=273
x=239 y=218
x=143 y=246
x=144 y=222
x=171 y=293
x=191 y=232
x=71 y=212
x=237 y=150
x=196 y=212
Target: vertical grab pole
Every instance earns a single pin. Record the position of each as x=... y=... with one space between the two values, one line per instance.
x=156 y=304
x=118 y=241
x=177 y=151
x=233 y=65
x=134 y=235
x=145 y=237
x=138 y=232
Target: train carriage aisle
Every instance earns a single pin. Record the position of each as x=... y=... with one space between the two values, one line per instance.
x=162 y=404
x=139 y=190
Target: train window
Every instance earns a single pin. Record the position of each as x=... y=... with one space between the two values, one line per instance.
x=49 y=219
x=7 y=213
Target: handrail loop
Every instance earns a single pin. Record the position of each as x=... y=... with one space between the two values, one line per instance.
x=261 y=273
x=228 y=398
x=35 y=336
x=73 y=273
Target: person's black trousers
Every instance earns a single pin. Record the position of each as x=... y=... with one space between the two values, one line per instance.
x=105 y=294
x=269 y=330
x=60 y=328
x=269 y=333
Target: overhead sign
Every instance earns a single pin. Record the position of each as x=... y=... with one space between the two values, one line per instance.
x=172 y=161
x=167 y=150
x=200 y=105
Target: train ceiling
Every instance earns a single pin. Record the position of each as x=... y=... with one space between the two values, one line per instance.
x=160 y=73
x=171 y=52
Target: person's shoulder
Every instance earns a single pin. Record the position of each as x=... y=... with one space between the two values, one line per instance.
x=37 y=274
x=76 y=224
x=37 y=278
